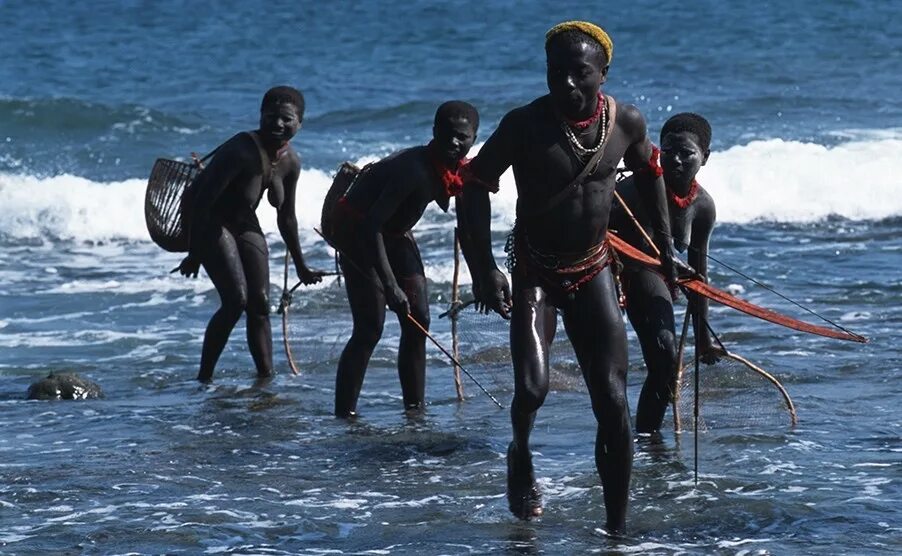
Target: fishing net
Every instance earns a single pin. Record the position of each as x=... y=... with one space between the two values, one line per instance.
x=163 y=203
x=315 y=327
x=732 y=395
x=483 y=343
x=480 y=342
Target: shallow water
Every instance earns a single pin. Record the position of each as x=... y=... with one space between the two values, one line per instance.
x=162 y=465
x=804 y=103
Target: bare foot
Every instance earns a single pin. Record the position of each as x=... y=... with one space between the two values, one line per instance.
x=523 y=496
x=262 y=381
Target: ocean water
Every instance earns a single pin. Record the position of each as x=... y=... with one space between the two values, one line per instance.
x=804 y=101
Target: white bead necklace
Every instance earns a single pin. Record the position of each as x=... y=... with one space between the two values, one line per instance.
x=577 y=147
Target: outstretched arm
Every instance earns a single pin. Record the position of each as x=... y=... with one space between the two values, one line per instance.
x=702 y=226
x=474 y=214
x=287 y=220
x=641 y=158
x=490 y=287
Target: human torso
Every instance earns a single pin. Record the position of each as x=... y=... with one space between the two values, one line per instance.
x=260 y=173
x=682 y=220
x=410 y=172
x=681 y=225
x=544 y=163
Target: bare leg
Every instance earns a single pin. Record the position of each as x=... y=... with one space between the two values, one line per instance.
x=404 y=257
x=368 y=312
x=650 y=310
x=530 y=320
x=255 y=258
x=412 y=348
x=222 y=262
x=593 y=323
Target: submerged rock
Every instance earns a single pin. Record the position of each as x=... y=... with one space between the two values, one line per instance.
x=64 y=386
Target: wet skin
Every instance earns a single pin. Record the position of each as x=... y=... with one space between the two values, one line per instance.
x=226 y=237
x=649 y=303
x=531 y=139
x=381 y=261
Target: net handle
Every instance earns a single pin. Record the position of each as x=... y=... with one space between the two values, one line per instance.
x=283 y=308
x=455 y=299
x=770 y=378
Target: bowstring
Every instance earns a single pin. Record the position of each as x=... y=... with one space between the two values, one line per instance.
x=738 y=272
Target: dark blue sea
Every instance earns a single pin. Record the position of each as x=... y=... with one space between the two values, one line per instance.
x=804 y=99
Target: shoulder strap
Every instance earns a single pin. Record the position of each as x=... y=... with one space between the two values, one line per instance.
x=590 y=166
x=264 y=158
x=199 y=162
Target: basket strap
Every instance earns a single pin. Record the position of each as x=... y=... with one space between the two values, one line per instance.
x=199 y=162
x=210 y=154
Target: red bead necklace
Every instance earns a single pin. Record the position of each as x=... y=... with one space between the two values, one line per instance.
x=684 y=202
x=451 y=179
x=583 y=124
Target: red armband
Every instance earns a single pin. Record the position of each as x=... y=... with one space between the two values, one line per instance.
x=652 y=168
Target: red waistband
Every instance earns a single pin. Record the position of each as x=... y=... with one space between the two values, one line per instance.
x=567 y=273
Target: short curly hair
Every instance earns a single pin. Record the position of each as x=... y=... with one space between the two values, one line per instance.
x=457 y=109
x=691 y=122
x=283 y=94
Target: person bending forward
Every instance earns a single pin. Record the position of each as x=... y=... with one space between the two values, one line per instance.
x=380 y=259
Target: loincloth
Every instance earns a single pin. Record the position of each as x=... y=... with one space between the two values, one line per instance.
x=559 y=273
x=347 y=236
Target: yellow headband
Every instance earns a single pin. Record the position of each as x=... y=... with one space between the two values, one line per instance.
x=594 y=31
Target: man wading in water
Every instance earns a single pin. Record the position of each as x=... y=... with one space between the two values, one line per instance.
x=379 y=257
x=558 y=250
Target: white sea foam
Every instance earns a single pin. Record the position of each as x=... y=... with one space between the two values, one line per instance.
x=646 y=547
x=777 y=180
x=790 y=181
x=166 y=284
x=70 y=207
x=419 y=503
x=735 y=289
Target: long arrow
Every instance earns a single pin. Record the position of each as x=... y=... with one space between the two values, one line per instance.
x=416 y=323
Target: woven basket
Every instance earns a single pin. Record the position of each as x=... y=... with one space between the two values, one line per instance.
x=163 y=203
x=343 y=180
